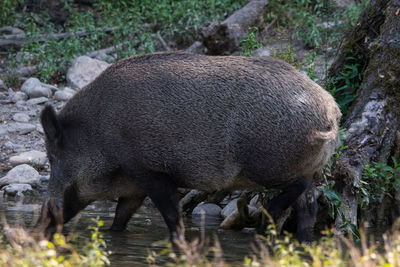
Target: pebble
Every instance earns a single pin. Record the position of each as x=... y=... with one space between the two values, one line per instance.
x=17 y=189
x=21 y=117
x=30 y=157
x=64 y=95
x=229 y=208
x=84 y=70
x=18 y=96
x=21 y=174
x=37 y=101
x=209 y=209
x=21 y=128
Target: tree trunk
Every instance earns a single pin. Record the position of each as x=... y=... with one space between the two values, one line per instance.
x=373 y=122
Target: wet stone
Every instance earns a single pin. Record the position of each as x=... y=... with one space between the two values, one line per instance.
x=229 y=208
x=208 y=208
x=17 y=189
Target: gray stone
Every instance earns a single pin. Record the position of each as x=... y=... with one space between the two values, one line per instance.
x=3 y=87
x=12 y=30
x=197 y=47
x=3 y=130
x=84 y=70
x=8 y=145
x=34 y=88
x=21 y=174
x=21 y=117
x=64 y=95
x=253 y=202
x=209 y=209
x=30 y=157
x=229 y=208
x=344 y=3
x=45 y=178
x=37 y=101
x=3 y=96
x=17 y=189
x=21 y=128
x=18 y=96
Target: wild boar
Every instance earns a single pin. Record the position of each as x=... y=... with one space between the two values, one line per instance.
x=152 y=123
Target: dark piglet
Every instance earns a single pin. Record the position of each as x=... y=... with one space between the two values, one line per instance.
x=152 y=123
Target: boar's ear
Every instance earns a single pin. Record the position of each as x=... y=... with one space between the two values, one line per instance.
x=50 y=123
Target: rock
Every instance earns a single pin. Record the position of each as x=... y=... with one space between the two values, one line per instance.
x=229 y=208
x=3 y=96
x=18 y=96
x=44 y=179
x=12 y=30
x=21 y=128
x=34 y=88
x=3 y=130
x=209 y=209
x=37 y=101
x=254 y=201
x=8 y=145
x=30 y=157
x=17 y=189
x=3 y=87
x=64 y=95
x=21 y=174
x=344 y=3
x=197 y=47
x=84 y=70
x=21 y=117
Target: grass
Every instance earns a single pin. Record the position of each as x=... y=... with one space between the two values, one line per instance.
x=19 y=248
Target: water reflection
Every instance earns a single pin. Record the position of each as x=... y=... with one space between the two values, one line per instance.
x=146 y=228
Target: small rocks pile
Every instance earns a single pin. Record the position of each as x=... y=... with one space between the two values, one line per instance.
x=20 y=129
x=231 y=214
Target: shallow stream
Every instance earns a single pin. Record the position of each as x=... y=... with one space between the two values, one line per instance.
x=145 y=228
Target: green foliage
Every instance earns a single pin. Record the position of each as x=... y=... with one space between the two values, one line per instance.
x=249 y=44
x=126 y=25
x=18 y=248
x=316 y=23
x=379 y=180
x=7 y=11
x=345 y=86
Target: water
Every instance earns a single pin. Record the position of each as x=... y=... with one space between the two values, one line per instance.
x=145 y=228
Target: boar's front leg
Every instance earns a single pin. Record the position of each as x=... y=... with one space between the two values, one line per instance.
x=126 y=207
x=165 y=196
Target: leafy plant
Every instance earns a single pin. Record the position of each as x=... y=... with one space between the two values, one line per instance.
x=250 y=43
x=345 y=86
x=19 y=248
x=379 y=180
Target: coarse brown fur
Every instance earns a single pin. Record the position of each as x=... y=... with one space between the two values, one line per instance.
x=187 y=120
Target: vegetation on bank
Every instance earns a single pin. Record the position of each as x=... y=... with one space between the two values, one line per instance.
x=19 y=248
x=136 y=27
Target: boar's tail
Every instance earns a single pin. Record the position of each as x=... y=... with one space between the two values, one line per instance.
x=323 y=137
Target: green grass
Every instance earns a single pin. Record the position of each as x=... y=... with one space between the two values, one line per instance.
x=134 y=25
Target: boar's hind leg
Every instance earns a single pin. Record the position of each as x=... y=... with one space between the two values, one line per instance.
x=287 y=197
x=126 y=207
x=165 y=197
x=306 y=208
